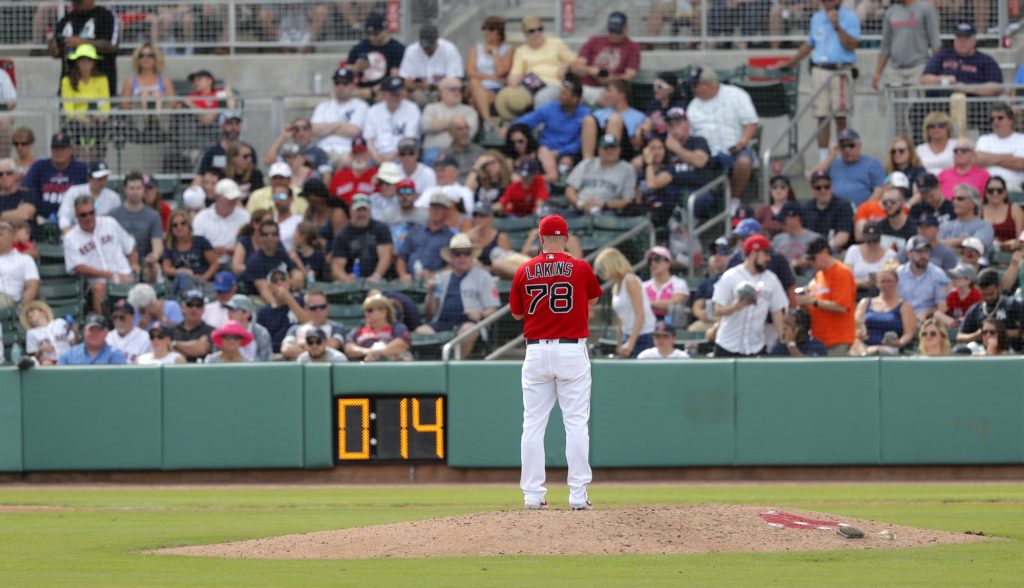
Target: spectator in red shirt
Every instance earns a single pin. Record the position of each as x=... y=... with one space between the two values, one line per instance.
x=357 y=178
x=605 y=58
x=526 y=195
x=962 y=295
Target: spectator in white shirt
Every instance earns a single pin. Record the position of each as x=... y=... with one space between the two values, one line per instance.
x=428 y=62
x=338 y=120
x=317 y=350
x=744 y=297
x=222 y=220
x=389 y=120
x=664 y=344
x=105 y=199
x=19 y=277
x=412 y=168
x=129 y=339
x=447 y=170
x=224 y=287
x=99 y=250
x=1001 y=152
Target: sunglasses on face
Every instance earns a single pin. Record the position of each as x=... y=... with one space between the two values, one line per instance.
x=196 y=304
x=278 y=279
x=536 y=30
x=822 y=187
x=936 y=125
x=658 y=258
x=120 y=317
x=179 y=224
x=316 y=307
x=896 y=150
x=890 y=202
x=847 y=145
x=151 y=55
x=462 y=253
x=995 y=190
x=7 y=172
x=489 y=28
x=231 y=338
x=406 y=152
x=314 y=341
x=86 y=214
x=962 y=150
x=780 y=186
x=960 y=198
x=930 y=334
x=723 y=251
x=406 y=192
x=156 y=336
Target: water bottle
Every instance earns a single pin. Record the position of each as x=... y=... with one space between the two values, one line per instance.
x=15 y=353
x=310 y=277
x=318 y=84
x=417 y=269
x=355 y=269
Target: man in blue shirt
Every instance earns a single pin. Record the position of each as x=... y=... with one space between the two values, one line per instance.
x=563 y=122
x=93 y=350
x=420 y=254
x=854 y=175
x=963 y=67
x=922 y=284
x=833 y=38
x=617 y=118
x=48 y=179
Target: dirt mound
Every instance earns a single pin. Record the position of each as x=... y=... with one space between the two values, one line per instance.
x=646 y=530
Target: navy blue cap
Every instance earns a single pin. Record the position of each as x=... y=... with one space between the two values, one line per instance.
x=392 y=84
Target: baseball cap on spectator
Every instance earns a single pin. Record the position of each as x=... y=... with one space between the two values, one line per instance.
x=872 y=232
x=747 y=227
x=676 y=113
x=531 y=22
x=315 y=188
x=122 y=307
x=975 y=244
x=663 y=328
x=573 y=84
x=223 y=282
x=820 y=174
x=192 y=295
x=392 y=84
x=528 y=167
x=203 y=73
x=918 y=243
x=279 y=169
x=721 y=247
x=703 y=74
x=608 y=141
x=344 y=74
x=60 y=140
x=406 y=187
x=669 y=78
x=898 y=180
x=161 y=332
x=194 y=198
x=552 y=225
x=96 y=320
x=962 y=270
x=389 y=172
x=228 y=188
x=616 y=22
x=408 y=143
x=848 y=134
x=98 y=169
x=428 y=35
x=756 y=243
x=658 y=251
x=788 y=209
x=359 y=144
x=241 y=302
x=360 y=201
x=84 y=50
x=316 y=333
x=928 y=220
x=742 y=213
x=228 y=116
x=815 y=247
x=927 y=182
x=439 y=199
x=150 y=181
x=965 y=29
x=375 y=23
x=446 y=160
x=289 y=149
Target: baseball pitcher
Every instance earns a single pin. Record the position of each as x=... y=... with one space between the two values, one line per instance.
x=552 y=293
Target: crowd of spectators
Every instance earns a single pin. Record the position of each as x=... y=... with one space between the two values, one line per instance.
x=387 y=180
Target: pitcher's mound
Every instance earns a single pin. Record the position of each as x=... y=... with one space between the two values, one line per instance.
x=658 y=529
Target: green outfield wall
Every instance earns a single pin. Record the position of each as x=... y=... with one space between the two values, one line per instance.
x=644 y=414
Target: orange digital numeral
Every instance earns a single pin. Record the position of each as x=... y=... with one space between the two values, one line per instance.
x=437 y=427
x=363 y=404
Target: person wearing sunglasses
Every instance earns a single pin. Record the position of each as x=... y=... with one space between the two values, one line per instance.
x=12 y=193
x=148 y=83
x=903 y=158
x=229 y=339
x=780 y=191
x=283 y=308
x=936 y=152
x=269 y=257
x=412 y=168
x=826 y=214
x=995 y=339
x=1001 y=152
x=191 y=337
x=317 y=350
x=933 y=338
x=668 y=293
x=460 y=296
x=604 y=58
x=487 y=66
x=126 y=337
x=100 y=251
x=538 y=68
x=965 y=170
x=966 y=223
x=23 y=140
x=243 y=311
x=332 y=332
x=162 y=354
x=994 y=305
x=1007 y=217
x=897 y=222
x=380 y=337
x=300 y=132
x=666 y=97
x=855 y=176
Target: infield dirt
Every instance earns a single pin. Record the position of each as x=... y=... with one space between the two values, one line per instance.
x=641 y=530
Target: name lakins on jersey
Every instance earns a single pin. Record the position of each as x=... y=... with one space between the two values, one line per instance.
x=548 y=270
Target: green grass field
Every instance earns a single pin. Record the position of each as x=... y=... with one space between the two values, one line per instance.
x=96 y=542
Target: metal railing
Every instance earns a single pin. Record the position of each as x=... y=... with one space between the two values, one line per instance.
x=693 y=231
x=453 y=344
x=181 y=26
x=907 y=106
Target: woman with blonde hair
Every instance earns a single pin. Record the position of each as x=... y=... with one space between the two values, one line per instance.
x=933 y=338
x=491 y=174
x=636 y=320
x=148 y=83
x=885 y=323
x=936 y=153
x=381 y=337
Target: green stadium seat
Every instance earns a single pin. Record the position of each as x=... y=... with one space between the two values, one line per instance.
x=428 y=346
x=345 y=313
x=515 y=223
x=1017 y=197
x=52 y=271
x=51 y=252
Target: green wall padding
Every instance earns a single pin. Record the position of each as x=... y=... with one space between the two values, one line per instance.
x=316 y=417
x=10 y=420
x=389 y=378
x=91 y=418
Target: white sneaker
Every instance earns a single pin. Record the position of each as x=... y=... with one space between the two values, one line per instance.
x=535 y=505
x=585 y=506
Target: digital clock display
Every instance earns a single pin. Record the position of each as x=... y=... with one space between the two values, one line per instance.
x=390 y=429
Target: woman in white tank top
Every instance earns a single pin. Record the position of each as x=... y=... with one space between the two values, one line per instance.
x=487 y=67
x=631 y=306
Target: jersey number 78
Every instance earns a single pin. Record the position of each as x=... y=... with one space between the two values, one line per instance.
x=558 y=294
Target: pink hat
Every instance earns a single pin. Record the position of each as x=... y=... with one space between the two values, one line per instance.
x=659 y=251
x=231 y=328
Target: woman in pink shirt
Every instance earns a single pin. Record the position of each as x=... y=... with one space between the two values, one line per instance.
x=964 y=171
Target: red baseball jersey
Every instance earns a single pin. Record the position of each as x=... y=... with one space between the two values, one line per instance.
x=553 y=291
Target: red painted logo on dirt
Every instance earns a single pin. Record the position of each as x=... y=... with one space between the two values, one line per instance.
x=792 y=521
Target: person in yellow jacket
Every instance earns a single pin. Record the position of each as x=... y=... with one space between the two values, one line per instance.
x=86 y=93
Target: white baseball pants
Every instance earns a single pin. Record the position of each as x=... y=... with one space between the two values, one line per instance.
x=556 y=371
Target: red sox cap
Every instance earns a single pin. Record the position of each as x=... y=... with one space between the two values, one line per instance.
x=553 y=225
x=756 y=243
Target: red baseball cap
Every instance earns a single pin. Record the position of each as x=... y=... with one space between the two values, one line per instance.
x=756 y=243
x=553 y=225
